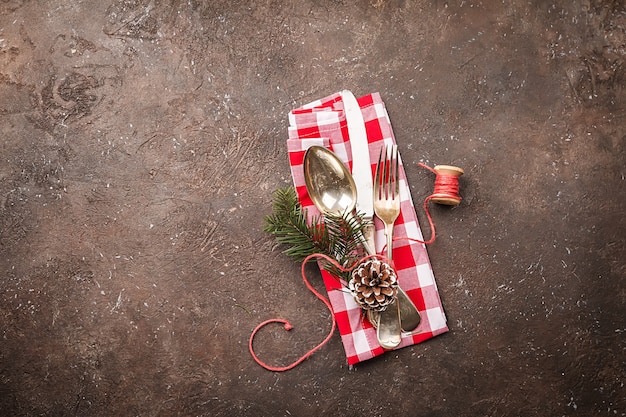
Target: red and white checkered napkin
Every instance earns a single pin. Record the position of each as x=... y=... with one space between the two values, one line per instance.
x=323 y=123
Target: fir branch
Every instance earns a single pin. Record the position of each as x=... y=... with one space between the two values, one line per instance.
x=288 y=224
x=334 y=235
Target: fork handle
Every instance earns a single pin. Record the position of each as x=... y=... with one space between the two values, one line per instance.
x=389 y=235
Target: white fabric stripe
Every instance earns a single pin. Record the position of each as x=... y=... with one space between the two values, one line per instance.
x=425 y=275
x=436 y=318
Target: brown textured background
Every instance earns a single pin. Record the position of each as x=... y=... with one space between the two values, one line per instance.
x=140 y=145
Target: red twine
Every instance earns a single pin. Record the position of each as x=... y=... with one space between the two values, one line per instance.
x=288 y=325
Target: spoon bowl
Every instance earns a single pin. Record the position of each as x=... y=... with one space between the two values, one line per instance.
x=329 y=183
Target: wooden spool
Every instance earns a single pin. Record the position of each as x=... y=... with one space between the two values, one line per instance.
x=443 y=198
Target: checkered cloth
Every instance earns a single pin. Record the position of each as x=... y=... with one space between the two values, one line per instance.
x=323 y=123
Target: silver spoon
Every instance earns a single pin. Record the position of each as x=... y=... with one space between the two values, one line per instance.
x=329 y=183
x=332 y=189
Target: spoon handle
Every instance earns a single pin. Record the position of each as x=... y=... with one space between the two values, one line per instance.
x=366 y=244
x=389 y=333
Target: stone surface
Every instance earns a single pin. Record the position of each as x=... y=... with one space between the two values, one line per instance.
x=141 y=142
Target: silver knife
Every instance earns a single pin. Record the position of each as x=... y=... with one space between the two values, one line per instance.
x=389 y=329
x=361 y=167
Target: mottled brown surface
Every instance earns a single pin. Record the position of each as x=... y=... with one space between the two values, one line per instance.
x=141 y=142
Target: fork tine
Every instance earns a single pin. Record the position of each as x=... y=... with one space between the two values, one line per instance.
x=383 y=174
x=378 y=180
x=396 y=174
x=386 y=178
x=390 y=173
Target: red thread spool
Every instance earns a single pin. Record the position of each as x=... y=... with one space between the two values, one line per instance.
x=447 y=185
x=446 y=192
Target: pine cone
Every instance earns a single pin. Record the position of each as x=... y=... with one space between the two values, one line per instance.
x=374 y=285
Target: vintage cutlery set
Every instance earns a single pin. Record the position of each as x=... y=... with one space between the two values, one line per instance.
x=334 y=190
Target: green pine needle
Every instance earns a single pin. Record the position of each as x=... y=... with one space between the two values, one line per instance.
x=334 y=235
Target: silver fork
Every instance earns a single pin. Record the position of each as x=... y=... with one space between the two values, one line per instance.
x=387 y=208
x=387 y=191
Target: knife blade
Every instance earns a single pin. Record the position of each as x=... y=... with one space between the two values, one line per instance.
x=361 y=167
